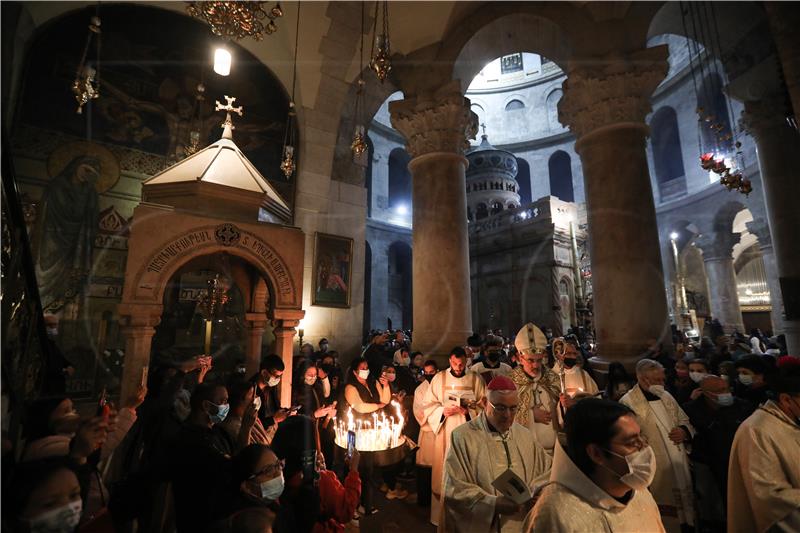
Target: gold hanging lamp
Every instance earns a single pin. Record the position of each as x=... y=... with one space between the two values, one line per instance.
x=359 y=144
x=288 y=165
x=87 y=78
x=381 y=47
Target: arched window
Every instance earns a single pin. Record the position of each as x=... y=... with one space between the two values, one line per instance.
x=514 y=105
x=667 y=156
x=496 y=208
x=481 y=211
x=715 y=108
x=400 y=285
x=524 y=181
x=399 y=179
x=552 y=109
x=560 y=167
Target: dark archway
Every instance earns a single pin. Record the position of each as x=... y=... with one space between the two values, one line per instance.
x=399 y=178
x=368 y=175
x=400 y=285
x=667 y=155
x=365 y=325
x=524 y=181
x=560 y=166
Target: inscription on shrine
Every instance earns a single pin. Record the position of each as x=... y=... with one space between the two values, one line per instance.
x=228 y=235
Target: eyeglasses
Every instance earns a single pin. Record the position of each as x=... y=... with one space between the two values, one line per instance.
x=503 y=409
x=269 y=470
x=637 y=441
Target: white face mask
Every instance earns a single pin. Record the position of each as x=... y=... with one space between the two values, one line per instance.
x=272 y=488
x=310 y=380
x=363 y=374
x=60 y=520
x=273 y=382
x=641 y=468
x=658 y=390
x=697 y=377
x=53 y=332
x=257 y=402
x=746 y=379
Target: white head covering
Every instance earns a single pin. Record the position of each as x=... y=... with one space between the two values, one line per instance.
x=400 y=360
x=530 y=339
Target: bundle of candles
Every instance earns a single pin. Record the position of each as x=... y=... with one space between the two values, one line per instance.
x=379 y=433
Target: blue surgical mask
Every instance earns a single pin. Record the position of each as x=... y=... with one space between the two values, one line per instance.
x=725 y=399
x=272 y=488
x=222 y=412
x=746 y=379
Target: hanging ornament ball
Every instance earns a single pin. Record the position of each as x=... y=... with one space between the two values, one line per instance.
x=277 y=11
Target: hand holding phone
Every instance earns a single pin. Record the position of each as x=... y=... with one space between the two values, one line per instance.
x=351 y=444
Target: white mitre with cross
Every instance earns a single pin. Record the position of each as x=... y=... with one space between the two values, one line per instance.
x=219 y=179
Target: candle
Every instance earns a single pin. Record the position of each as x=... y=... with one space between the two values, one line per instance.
x=208 y=338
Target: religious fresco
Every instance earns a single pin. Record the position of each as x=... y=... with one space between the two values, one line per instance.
x=333 y=266
x=80 y=174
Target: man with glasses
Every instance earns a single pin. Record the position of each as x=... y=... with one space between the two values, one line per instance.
x=599 y=480
x=481 y=451
x=669 y=431
x=538 y=387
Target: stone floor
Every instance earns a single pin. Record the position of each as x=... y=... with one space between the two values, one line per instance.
x=395 y=516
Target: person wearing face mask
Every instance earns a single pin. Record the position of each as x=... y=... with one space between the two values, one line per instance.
x=453 y=399
x=764 y=470
x=402 y=357
x=323 y=349
x=416 y=367
x=199 y=463
x=491 y=366
x=668 y=429
x=576 y=379
x=683 y=385
x=390 y=472
x=242 y=424
x=46 y=497
x=267 y=379
x=599 y=479
x=425 y=439
x=306 y=394
x=715 y=416
x=752 y=379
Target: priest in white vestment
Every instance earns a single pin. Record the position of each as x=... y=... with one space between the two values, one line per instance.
x=577 y=380
x=481 y=451
x=426 y=440
x=667 y=428
x=764 y=469
x=538 y=387
x=599 y=481
x=453 y=399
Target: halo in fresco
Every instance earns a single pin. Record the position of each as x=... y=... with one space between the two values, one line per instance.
x=109 y=166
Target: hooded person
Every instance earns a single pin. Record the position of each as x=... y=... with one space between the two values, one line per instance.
x=537 y=386
x=482 y=450
x=576 y=378
x=492 y=366
x=764 y=470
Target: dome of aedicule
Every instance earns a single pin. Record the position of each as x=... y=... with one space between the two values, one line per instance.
x=486 y=159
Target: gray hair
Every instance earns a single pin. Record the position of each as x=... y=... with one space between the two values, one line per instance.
x=645 y=366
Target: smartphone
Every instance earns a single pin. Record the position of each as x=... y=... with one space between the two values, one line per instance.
x=295 y=408
x=309 y=464
x=351 y=444
x=102 y=403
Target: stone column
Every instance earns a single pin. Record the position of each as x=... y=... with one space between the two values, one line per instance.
x=760 y=229
x=436 y=127
x=137 y=326
x=784 y=19
x=284 y=341
x=605 y=105
x=255 y=324
x=778 y=145
x=717 y=248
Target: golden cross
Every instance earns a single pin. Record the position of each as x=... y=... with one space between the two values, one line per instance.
x=229 y=106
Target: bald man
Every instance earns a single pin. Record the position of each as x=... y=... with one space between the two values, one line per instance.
x=480 y=451
x=715 y=415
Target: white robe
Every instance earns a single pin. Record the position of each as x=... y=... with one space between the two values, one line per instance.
x=426 y=440
x=577 y=380
x=672 y=485
x=572 y=503
x=443 y=384
x=476 y=458
x=764 y=473
x=481 y=369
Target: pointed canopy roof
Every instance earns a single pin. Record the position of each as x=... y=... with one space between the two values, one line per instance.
x=221 y=164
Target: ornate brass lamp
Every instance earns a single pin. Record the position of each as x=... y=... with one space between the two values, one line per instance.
x=381 y=48
x=288 y=164
x=87 y=79
x=236 y=20
x=359 y=144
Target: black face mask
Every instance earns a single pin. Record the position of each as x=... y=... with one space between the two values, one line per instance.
x=493 y=357
x=429 y=377
x=569 y=362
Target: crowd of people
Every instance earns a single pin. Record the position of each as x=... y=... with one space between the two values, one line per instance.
x=512 y=435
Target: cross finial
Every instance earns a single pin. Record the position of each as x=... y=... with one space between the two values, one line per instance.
x=483 y=127
x=227 y=126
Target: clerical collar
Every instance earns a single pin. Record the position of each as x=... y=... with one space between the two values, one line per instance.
x=650 y=397
x=493 y=429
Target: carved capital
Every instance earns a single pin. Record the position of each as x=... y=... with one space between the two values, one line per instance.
x=717 y=245
x=764 y=115
x=760 y=228
x=437 y=122
x=602 y=93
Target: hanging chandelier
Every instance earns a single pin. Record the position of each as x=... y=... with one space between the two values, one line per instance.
x=87 y=78
x=718 y=141
x=287 y=163
x=381 y=48
x=236 y=20
x=359 y=144
x=197 y=122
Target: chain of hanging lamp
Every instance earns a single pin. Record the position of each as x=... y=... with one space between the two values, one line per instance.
x=359 y=144
x=86 y=86
x=720 y=147
x=380 y=62
x=288 y=164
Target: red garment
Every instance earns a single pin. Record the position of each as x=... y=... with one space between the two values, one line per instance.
x=337 y=502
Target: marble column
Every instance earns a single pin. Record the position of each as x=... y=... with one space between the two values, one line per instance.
x=255 y=325
x=778 y=146
x=605 y=103
x=284 y=342
x=760 y=229
x=784 y=19
x=717 y=248
x=436 y=126
x=137 y=327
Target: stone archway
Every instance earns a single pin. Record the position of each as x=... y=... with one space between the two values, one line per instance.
x=164 y=240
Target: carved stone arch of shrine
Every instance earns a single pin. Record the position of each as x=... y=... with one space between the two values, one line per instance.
x=164 y=240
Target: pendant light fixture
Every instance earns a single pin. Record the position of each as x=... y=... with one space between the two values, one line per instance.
x=288 y=164
x=87 y=78
x=359 y=144
x=381 y=47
